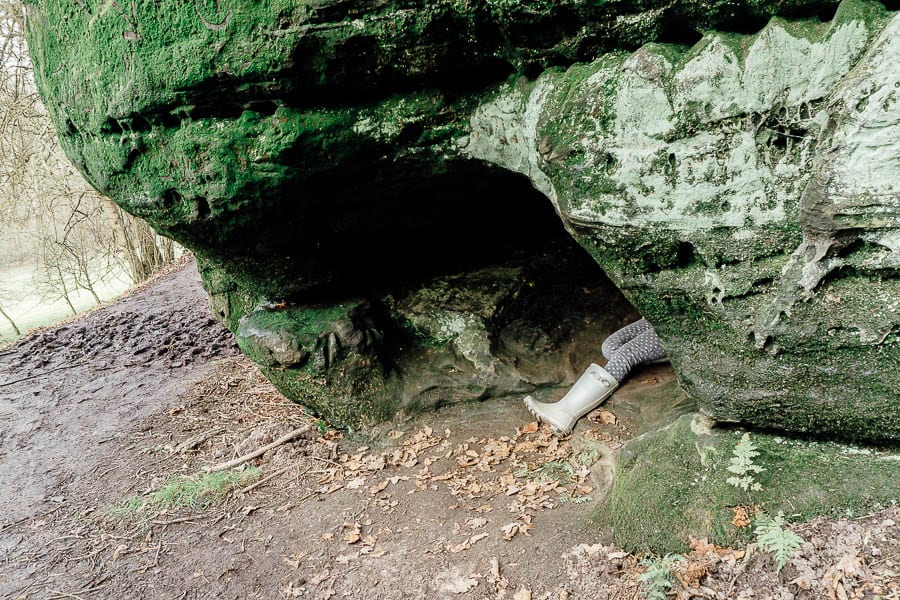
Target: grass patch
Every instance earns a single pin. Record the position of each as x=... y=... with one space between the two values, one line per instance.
x=195 y=492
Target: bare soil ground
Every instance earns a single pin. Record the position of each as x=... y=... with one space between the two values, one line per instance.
x=99 y=417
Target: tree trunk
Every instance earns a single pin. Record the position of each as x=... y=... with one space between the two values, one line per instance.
x=65 y=289
x=150 y=254
x=167 y=247
x=132 y=256
x=10 y=321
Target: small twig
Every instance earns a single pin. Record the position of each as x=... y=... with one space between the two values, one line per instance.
x=325 y=460
x=306 y=497
x=23 y=519
x=258 y=452
x=7 y=383
x=195 y=440
x=191 y=518
x=265 y=480
x=59 y=595
x=17 y=523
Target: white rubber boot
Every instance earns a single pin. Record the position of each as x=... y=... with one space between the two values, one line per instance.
x=593 y=387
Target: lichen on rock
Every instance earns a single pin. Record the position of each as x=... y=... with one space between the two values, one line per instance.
x=738 y=192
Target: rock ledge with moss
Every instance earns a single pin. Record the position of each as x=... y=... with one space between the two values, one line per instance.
x=337 y=167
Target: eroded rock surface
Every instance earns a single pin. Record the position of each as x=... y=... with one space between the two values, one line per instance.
x=744 y=193
x=338 y=167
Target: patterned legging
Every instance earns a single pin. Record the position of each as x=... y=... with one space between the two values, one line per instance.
x=630 y=346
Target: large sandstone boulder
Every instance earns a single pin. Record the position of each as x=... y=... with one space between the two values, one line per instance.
x=338 y=166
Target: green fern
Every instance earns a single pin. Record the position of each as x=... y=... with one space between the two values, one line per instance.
x=773 y=537
x=743 y=467
x=657 y=579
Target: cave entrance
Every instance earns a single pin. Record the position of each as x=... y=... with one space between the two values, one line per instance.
x=479 y=254
x=405 y=227
x=419 y=290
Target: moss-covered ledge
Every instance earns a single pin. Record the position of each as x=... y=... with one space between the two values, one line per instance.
x=671 y=484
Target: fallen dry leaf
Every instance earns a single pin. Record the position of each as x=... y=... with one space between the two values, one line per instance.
x=701 y=545
x=523 y=594
x=691 y=573
x=530 y=427
x=289 y=591
x=379 y=487
x=121 y=550
x=741 y=517
x=603 y=417
x=510 y=531
x=495 y=568
x=293 y=560
x=353 y=533
x=466 y=544
x=460 y=585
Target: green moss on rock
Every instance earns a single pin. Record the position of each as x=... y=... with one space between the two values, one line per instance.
x=731 y=187
x=671 y=484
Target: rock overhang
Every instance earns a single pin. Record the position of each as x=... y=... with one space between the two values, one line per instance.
x=254 y=132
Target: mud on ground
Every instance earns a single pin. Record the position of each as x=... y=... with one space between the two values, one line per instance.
x=99 y=417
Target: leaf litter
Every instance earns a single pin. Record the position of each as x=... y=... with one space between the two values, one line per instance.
x=491 y=492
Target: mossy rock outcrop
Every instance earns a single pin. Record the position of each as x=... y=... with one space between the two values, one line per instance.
x=672 y=483
x=733 y=167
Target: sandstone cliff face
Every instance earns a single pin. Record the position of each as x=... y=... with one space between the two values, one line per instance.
x=332 y=163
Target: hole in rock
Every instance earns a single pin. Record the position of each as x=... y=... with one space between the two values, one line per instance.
x=743 y=23
x=263 y=107
x=685 y=254
x=822 y=12
x=677 y=29
x=365 y=234
x=202 y=207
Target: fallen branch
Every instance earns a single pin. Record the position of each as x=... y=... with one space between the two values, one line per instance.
x=258 y=452
x=265 y=479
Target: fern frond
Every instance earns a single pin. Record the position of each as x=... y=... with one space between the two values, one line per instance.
x=742 y=465
x=657 y=579
x=772 y=536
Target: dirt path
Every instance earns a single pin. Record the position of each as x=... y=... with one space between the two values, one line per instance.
x=68 y=391
x=103 y=447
